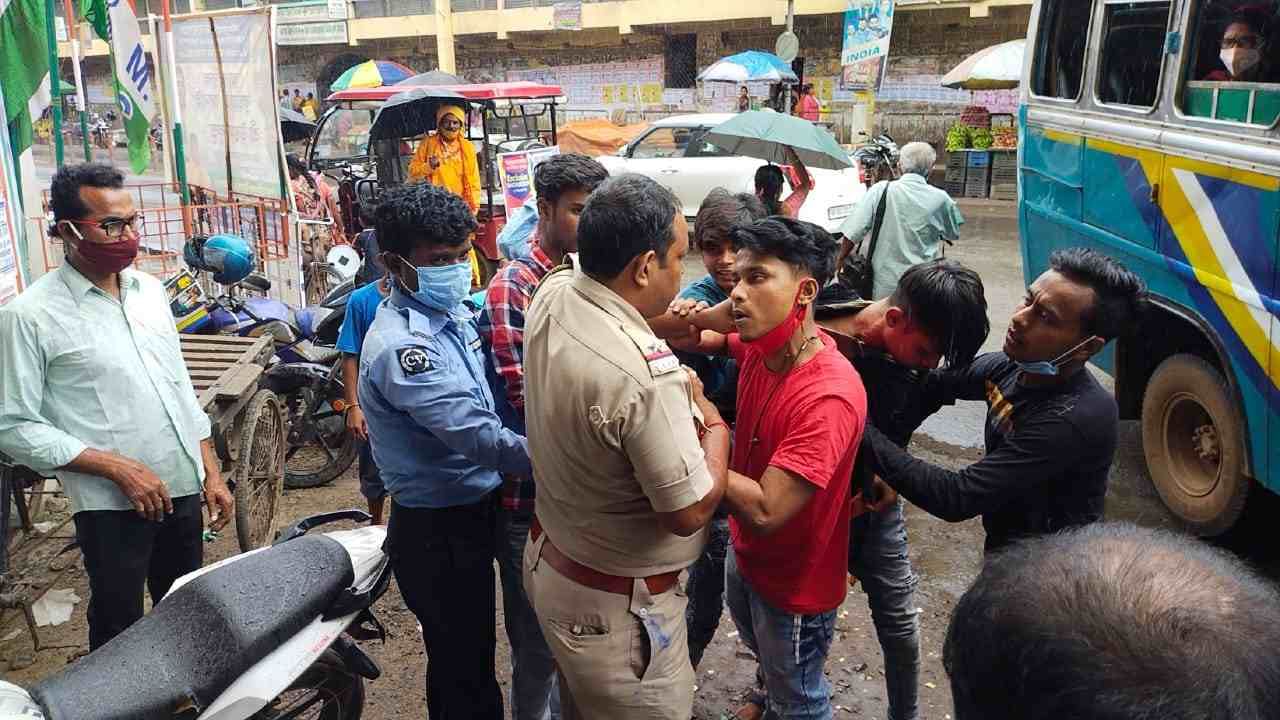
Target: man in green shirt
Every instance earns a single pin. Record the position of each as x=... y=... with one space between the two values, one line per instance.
x=93 y=389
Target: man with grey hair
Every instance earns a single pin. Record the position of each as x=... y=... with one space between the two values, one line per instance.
x=917 y=219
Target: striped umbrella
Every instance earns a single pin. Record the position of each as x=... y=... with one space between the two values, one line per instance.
x=371 y=74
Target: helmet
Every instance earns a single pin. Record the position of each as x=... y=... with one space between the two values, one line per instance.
x=344 y=260
x=229 y=257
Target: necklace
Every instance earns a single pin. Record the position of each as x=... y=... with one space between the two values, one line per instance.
x=782 y=377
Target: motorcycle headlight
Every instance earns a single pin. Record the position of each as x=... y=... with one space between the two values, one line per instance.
x=839 y=212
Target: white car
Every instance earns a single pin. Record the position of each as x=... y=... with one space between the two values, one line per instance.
x=674 y=152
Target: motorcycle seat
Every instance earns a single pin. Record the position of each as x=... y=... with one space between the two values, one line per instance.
x=202 y=636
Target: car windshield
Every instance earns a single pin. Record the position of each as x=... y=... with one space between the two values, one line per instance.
x=344 y=133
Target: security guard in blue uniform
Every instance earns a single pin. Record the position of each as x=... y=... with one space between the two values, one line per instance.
x=439 y=444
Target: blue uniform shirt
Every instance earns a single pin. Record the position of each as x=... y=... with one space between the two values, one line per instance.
x=434 y=433
x=361 y=308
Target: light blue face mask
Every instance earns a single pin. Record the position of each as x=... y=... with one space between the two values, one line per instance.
x=1054 y=366
x=442 y=287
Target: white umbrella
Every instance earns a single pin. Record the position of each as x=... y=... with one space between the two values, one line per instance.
x=998 y=67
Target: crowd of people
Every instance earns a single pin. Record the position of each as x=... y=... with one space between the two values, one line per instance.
x=637 y=456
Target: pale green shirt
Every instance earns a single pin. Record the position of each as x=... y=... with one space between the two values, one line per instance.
x=79 y=369
x=917 y=218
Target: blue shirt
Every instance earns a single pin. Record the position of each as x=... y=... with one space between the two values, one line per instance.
x=718 y=373
x=361 y=308
x=432 y=426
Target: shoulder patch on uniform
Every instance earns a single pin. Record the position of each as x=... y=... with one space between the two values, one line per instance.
x=660 y=358
x=413 y=360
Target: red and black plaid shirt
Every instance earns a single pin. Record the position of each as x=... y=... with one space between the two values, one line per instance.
x=502 y=327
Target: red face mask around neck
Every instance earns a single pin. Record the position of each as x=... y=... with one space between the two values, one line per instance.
x=779 y=336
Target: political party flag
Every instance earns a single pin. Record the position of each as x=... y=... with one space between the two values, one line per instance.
x=134 y=84
x=24 y=68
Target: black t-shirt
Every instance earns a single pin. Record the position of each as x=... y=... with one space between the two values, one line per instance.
x=1049 y=450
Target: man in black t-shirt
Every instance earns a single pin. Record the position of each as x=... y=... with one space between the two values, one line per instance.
x=937 y=311
x=1051 y=428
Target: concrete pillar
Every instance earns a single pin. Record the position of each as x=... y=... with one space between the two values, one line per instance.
x=444 y=37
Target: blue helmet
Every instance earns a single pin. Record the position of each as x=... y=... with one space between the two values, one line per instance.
x=229 y=257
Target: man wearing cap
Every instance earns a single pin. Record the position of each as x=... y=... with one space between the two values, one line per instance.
x=625 y=485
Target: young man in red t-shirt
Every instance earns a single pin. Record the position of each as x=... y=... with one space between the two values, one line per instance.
x=801 y=411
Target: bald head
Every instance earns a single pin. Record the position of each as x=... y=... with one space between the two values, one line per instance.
x=1113 y=622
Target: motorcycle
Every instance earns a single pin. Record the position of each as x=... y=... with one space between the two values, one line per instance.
x=266 y=635
x=877 y=158
x=307 y=371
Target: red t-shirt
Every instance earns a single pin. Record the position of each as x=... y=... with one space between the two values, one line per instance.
x=808 y=422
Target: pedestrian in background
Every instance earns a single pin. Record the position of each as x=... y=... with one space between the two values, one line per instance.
x=362 y=307
x=917 y=219
x=809 y=107
x=94 y=390
x=631 y=462
x=769 y=182
x=744 y=100
x=439 y=444
x=562 y=184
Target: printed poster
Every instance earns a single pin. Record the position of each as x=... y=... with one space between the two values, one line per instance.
x=867 y=27
x=10 y=217
x=515 y=171
x=250 y=128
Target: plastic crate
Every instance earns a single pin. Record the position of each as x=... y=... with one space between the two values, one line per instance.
x=955 y=174
x=1004 y=159
x=956 y=159
x=977 y=182
x=979 y=159
x=1000 y=175
x=1004 y=191
x=954 y=189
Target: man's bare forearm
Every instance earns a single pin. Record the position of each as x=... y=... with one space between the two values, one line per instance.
x=350 y=376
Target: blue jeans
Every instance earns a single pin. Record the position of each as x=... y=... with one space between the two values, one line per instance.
x=878 y=558
x=534 y=695
x=706 y=590
x=792 y=649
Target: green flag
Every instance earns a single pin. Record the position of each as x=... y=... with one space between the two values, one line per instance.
x=94 y=12
x=24 y=67
x=134 y=84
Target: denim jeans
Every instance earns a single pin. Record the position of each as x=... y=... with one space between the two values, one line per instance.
x=706 y=590
x=534 y=695
x=878 y=558
x=792 y=650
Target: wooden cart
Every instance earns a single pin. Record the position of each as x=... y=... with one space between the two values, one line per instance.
x=248 y=425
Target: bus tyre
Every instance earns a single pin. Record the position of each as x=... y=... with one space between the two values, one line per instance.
x=1194 y=440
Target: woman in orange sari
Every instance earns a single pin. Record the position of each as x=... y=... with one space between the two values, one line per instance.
x=448 y=159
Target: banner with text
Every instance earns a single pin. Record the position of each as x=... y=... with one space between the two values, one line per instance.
x=11 y=220
x=868 y=25
x=225 y=77
x=515 y=171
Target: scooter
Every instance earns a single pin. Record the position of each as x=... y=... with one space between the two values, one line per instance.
x=261 y=635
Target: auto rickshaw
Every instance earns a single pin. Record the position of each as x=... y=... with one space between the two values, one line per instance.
x=502 y=118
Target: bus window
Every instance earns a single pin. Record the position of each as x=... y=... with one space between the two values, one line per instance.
x=1060 y=49
x=1133 y=40
x=1233 y=70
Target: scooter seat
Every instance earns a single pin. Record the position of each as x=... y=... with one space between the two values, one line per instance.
x=179 y=658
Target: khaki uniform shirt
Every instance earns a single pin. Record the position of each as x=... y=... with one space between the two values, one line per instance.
x=611 y=428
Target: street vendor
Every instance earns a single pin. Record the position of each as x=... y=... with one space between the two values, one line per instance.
x=448 y=159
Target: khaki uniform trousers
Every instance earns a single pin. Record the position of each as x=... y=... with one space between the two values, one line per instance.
x=619 y=657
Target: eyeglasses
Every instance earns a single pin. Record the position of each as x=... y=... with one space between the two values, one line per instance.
x=1244 y=42
x=114 y=227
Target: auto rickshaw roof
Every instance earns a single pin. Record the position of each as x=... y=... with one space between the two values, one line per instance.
x=478 y=91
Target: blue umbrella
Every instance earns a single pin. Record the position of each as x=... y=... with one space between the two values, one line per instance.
x=749 y=66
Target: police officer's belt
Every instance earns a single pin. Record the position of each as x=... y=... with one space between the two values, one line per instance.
x=595 y=579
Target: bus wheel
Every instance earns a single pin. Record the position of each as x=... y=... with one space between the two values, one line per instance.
x=1194 y=440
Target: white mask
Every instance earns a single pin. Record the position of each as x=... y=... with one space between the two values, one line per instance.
x=1240 y=60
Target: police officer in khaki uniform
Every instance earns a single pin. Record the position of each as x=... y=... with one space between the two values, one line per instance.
x=629 y=459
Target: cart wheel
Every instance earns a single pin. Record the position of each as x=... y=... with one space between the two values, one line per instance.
x=260 y=471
